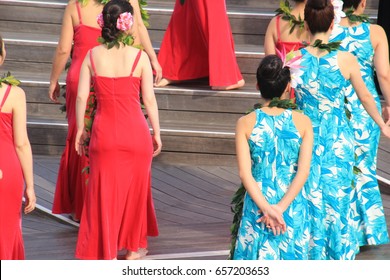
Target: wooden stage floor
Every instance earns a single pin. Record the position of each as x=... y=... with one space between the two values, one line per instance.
x=193 y=211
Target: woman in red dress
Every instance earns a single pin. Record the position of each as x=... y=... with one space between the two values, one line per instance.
x=16 y=168
x=118 y=210
x=199 y=43
x=79 y=28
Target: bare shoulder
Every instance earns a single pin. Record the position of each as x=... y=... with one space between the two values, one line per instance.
x=377 y=30
x=246 y=122
x=18 y=92
x=301 y=117
x=377 y=35
x=302 y=123
x=71 y=5
x=17 y=95
x=345 y=55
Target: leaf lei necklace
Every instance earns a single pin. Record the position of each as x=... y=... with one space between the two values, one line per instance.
x=285 y=11
x=279 y=103
x=332 y=46
x=356 y=18
x=9 y=80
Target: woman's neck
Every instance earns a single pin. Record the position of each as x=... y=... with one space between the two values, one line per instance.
x=324 y=37
x=299 y=9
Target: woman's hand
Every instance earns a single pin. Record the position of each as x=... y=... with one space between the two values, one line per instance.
x=273 y=219
x=385 y=129
x=54 y=92
x=29 y=195
x=157 y=145
x=79 y=141
x=158 y=71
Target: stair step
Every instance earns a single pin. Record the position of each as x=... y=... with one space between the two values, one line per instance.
x=194 y=144
x=36 y=58
x=184 y=102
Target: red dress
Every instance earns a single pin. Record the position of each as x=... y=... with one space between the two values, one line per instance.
x=118 y=210
x=199 y=43
x=70 y=188
x=11 y=191
x=288 y=45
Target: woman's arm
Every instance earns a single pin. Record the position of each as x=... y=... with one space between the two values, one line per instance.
x=382 y=67
x=62 y=53
x=81 y=103
x=22 y=146
x=269 y=41
x=274 y=219
x=145 y=40
x=351 y=70
x=304 y=161
x=150 y=102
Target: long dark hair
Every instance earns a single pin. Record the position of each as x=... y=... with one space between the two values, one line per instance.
x=319 y=15
x=111 y=12
x=272 y=77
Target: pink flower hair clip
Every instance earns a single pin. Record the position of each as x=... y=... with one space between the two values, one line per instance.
x=293 y=62
x=125 y=21
x=100 y=20
x=289 y=59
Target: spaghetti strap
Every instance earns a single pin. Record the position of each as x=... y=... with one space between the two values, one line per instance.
x=136 y=62
x=5 y=96
x=278 y=27
x=79 y=12
x=92 y=62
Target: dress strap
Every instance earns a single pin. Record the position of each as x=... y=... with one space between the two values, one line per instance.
x=79 y=12
x=5 y=96
x=136 y=62
x=92 y=62
x=278 y=27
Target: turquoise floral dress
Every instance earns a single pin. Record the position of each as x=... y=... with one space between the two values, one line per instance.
x=369 y=209
x=329 y=188
x=274 y=146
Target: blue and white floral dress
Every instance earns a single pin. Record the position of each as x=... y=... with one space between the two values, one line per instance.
x=369 y=209
x=329 y=188
x=274 y=146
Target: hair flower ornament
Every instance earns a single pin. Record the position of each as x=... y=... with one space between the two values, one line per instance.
x=100 y=20
x=338 y=10
x=125 y=21
x=292 y=61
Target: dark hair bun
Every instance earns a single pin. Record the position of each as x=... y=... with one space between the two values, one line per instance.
x=111 y=12
x=272 y=77
x=317 y=4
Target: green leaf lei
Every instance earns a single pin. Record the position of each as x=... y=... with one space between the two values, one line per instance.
x=285 y=10
x=123 y=38
x=238 y=205
x=356 y=18
x=9 y=80
x=182 y=2
x=328 y=47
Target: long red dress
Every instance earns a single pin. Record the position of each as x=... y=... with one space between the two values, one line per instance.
x=199 y=43
x=71 y=182
x=118 y=210
x=11 y=191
